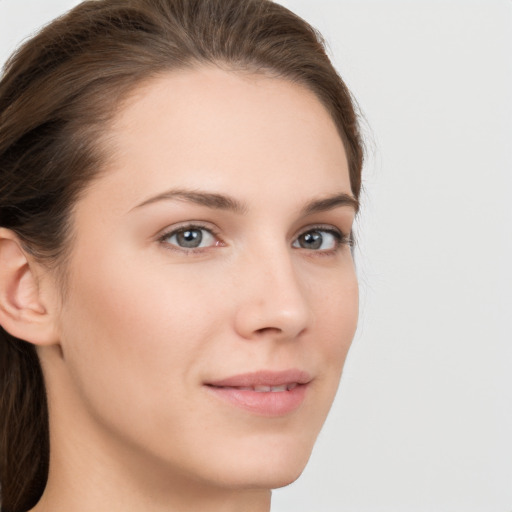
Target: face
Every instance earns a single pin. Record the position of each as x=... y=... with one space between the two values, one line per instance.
x=212 y=296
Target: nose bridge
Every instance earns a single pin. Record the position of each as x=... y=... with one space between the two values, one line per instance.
x=274 y=299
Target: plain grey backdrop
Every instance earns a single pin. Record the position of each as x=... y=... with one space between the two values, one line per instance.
x=423 y=419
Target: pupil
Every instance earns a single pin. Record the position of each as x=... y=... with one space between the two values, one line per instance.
x=190 y=238
x=312 y=240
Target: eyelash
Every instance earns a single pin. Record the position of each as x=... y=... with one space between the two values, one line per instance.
x=189 y=227
x=341 y=238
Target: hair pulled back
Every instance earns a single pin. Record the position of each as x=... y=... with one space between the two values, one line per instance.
x=58 y=92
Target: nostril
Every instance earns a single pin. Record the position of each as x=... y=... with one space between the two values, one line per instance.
x=267 y=330
x=275 y=310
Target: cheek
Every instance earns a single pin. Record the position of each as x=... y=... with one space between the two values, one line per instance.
x=337 y=313
x=344 y=311
x=335 y=301
x=135 y=336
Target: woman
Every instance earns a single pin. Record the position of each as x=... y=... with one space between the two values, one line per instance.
x=177 y=290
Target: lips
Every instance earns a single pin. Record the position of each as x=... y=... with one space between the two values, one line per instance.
x=263 y=389
x=263 y=378
x=265 y=393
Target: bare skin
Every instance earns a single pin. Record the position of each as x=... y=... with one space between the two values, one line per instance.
x=253 y=171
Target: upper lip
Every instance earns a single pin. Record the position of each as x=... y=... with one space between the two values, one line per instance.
x=263 y=378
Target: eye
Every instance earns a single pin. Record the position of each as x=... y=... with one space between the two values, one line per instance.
x=190 y=237
x=319 y=240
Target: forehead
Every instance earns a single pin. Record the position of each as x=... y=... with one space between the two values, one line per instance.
x=226 y=131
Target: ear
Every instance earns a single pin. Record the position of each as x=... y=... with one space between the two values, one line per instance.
x=25 y=312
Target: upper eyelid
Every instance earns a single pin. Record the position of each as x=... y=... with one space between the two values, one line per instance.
x=345 y=238
x=170 y=230
x=210 y=227
x=166 y=234
x=215 y=231
x=322 y=227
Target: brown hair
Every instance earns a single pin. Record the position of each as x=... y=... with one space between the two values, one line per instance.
x=58 y=91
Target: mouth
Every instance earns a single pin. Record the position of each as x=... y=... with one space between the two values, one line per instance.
x=263 y=393
x=261 y=389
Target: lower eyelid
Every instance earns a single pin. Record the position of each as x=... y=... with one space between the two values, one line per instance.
x=341 y=239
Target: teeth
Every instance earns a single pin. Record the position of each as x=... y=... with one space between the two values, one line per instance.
x=262 y=389
x=276 y=389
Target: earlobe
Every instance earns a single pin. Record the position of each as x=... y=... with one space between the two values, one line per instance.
x=23 y=312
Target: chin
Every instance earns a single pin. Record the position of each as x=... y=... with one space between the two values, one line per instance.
x=270 y=477
x=284 y=478
x=268 y=468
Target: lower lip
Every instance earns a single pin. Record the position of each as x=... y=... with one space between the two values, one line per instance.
x=277 y=403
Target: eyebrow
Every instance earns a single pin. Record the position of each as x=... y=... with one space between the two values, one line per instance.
x=208 y=199
x=224 y=202
x=331 y=202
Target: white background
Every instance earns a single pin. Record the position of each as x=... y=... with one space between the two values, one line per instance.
x=423 y=420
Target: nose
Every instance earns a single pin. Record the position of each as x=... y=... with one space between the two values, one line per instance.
x=274 y=302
